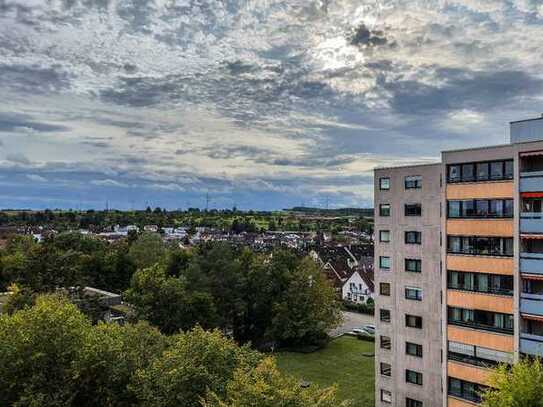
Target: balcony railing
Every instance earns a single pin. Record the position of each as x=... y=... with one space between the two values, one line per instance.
x=531 y=222
x=531 y=344
x=472 y=360
x=532 y=306
x=483 y=327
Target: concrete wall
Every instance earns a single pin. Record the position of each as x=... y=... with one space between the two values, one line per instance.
x=429 y=280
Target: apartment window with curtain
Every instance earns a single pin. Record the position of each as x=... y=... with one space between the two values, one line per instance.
x=384 y=183
x=413 y=209
x=413 y=321
x=413 y=182
x=384 y=289
x=412 y=403
x=386 y=396
x=384 y=315
x=413 y=265
x=482 y=171
x=478 y=319
x=384 y=210
x=480 y=245
x=384 y=262
x=385 y=342
x=413 y=349
x=386 y=369
x=384 y=236
x=412 y=293
x=480 y=282
x=465 y=390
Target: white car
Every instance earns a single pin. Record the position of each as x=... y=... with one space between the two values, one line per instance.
x=370 y=329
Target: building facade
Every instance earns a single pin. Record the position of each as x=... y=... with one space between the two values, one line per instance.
x=490 y=293
x=407 y=271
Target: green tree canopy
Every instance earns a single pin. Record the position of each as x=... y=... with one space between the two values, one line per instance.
x=520 y=385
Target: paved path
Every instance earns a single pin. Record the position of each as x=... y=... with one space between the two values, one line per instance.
x=352 y=320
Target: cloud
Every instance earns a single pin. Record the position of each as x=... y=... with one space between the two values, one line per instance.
x=13 y=122
x=109 y=183
x=37 y=178
x=18 y=158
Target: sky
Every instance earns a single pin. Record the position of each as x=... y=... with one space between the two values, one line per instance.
x=258 y=104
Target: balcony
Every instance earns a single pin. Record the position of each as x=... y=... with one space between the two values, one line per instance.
x=531 y=344
x=531 y=181
x=531 y=304
x=531 y=255
x=531 y=222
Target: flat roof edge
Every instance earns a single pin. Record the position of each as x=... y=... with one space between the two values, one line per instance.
x=392 y=167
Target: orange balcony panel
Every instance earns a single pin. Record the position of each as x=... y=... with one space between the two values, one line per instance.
x=494 y=303
x=485 y=339
x=454 y=402
x=470 y=373
x=476 y=227
x=499 y=189
x=481 y=264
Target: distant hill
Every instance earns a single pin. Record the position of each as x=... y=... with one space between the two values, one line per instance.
x=367 y=212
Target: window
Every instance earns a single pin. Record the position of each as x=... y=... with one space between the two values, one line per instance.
x=384 y=210
x=386 y=396
x=413 y=377
x=413 y=182
x=476 y=355
x=413 y=321
x=384 y=289
x=413 y=237
x=480 y=282
x=480 y=208
x=384 y=184
x=412 y=293
x=465 y=390
x=454 y=173
x=386 y=369
x=384 y=315
x=384 y=262
x=413 y=265
x=486 y=320
x=482 y=171
x=384 y=236
x=412 y=403
x=413 y=210
x=413 y=349
x=386 y=343
x=480 y=246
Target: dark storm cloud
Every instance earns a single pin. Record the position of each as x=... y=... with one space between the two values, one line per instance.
x=463 y=89
x=17 y=121
x=32 y=80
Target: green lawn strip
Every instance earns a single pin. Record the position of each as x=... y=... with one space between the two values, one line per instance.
x=341 y=362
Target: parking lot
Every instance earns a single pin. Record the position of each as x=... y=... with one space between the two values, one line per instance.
x=352 y=320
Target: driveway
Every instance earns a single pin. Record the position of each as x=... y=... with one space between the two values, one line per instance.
x=352 y=320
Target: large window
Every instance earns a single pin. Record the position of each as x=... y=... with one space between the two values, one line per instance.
x=413 y=237
x=384 y=210
x=482 y=171
x=412 y=293
x=385 y=342
x=413 y=265
x=384 y=289
x=413 y=321
x=384 y=315
x=413 y=209
x=384 y=236
x=413 y=377
x=478 y=319
x=413 y=349
x=413 y=182
x=384 y=184
x=384 y=262
x=480 y=246
x=465 y=390
x=480 y=208
x=480 y=282
x=477 y=355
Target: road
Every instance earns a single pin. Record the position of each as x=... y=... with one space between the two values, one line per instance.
x=352 y=320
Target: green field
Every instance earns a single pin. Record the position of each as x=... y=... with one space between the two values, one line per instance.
x=341 y=362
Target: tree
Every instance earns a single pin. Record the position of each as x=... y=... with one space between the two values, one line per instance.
x=518 y=386
x=265 y=386
x=109 y=359
x=197 y=362
x=37 y=348
x=307 y=308
x=20 y=298
x=147 y=250
x=165 y=302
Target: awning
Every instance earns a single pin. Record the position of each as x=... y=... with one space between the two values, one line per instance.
x=531 y=153
x=532 y=317
x=532 y=236
x=531 y=194
x=532 y=276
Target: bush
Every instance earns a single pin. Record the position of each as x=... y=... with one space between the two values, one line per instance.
x=368 y=308
x=366 y=337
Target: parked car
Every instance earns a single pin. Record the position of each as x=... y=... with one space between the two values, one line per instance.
x=370 y=329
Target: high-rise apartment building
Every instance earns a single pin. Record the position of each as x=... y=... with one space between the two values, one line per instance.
x=478 y=286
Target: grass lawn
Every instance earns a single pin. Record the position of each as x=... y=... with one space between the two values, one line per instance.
x=341 y=362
